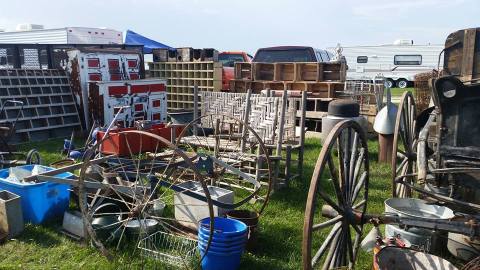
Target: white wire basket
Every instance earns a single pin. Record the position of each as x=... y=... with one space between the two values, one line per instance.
x=169 y=248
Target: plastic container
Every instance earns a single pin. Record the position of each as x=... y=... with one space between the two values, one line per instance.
x=202 y=236
x=223 y=227
x=219 y=260
x=228 y=249
x=40 y=201
x=251 y=220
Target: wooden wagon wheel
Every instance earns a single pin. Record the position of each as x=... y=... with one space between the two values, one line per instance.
x=404 y=154
x=138 y=192
x=231 y=155
x=339 y=186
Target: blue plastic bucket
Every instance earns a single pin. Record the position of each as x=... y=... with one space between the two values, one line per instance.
x=40 y=201
x=220 y=261
x=223 y=227
x=226 y=249
x=202 y=236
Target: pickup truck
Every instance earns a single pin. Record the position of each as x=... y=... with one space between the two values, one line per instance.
x=292 y=54
x=228 y=60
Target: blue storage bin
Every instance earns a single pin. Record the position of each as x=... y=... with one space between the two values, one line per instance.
x=223 y=227
x=40 y=201
x=219 y=260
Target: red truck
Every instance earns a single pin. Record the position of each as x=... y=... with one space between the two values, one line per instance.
x=228 y=60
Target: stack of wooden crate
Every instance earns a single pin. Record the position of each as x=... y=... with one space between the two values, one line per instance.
x=183 y=71
x=320 y=80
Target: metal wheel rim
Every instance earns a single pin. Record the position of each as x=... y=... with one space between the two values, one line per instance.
x=345 y=221
x=265 y=156
x=404 y=133
x=83 y=202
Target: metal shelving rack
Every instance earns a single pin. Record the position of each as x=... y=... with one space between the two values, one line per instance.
x=49 y=110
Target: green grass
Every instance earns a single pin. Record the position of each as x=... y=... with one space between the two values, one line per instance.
x=398 y=92
x=280 y=235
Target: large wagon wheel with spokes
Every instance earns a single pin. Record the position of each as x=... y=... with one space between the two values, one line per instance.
x=230 y=155
x=145 y=186
x=337 y=199
x=404 y=157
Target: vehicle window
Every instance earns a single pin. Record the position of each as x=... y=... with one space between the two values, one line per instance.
x=228 y=60
x=292 y=55
x=362 y=59
x=409 y=60
x=325 y=56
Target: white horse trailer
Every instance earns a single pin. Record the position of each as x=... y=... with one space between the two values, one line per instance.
x=398 y=62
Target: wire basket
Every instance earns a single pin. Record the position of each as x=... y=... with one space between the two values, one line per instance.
x=169 y=248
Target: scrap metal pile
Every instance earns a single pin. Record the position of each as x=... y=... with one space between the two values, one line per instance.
x=435 y=176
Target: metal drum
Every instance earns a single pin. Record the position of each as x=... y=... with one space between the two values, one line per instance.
x=431 y=241
x=397 y=258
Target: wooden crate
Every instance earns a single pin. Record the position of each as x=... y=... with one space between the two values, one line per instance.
x=280 y=86
x=243 y=71
x=308 y=72
x=462 y=55
x=284 y=72
x=240 y=86
x=263 y=71
x=324 y=89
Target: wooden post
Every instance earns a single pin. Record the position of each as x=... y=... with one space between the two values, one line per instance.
x=282 y=123
x=385 y=148
x=301 y=150
x=246 y=115
x=195 y=108
x=288 y=160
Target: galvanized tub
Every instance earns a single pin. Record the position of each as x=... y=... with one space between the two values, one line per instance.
x=431 y=241
x=397 y=258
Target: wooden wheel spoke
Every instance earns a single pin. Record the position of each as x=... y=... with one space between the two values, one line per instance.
x=335 y=180
x=326 y=243
x=328 y=223
x=359 y=186
x=401 y=165
x=332 y=251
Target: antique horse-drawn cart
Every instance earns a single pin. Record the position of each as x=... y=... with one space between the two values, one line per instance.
x=436 y=157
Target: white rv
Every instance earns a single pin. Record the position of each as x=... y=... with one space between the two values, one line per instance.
x=32 y=33
x=398 y=62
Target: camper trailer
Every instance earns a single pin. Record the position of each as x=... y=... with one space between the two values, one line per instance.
x=397 y=62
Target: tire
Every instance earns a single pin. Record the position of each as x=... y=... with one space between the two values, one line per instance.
x=402 y=83
x=390 y=83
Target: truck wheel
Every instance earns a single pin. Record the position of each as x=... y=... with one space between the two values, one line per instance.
x=390 y=83
x=402 y=83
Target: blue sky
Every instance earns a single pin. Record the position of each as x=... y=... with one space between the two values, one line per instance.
x=250 y=24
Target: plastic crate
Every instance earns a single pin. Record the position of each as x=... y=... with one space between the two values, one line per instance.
x=40 y=201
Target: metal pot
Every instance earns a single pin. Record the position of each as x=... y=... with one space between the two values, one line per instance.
x=142 y=226
x=396 y=258
x=417 y=208
x=462 y=247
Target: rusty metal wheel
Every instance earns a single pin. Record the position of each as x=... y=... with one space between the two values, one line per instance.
x=127 y=196
x=232 y=156
x=337 y=200
x=404 y=154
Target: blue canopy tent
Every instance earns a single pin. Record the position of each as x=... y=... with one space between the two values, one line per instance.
x=132 y=38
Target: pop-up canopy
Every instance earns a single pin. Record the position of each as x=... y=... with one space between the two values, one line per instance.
x=132 y=38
